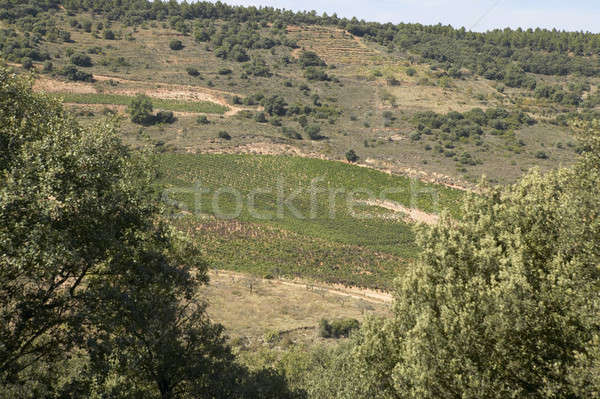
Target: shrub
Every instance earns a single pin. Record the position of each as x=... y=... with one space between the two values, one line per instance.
x=224 y=71
x=351 y=156
x=87 y=26
x=94 y=50
x=48 y=67
x=275 y=105
x=541 y=155
x=261 y=117
x=72 y=73
x=224 y=135
x=164 y=117
x=108 y=34
x=192 y=71
x=203 y=120
x=257 y=67
x=175 y=44
x=392 y=81
x=315 y=74
x=291 y=133
x=310 y=59
x=140 y=110
x=314 y=132
x=82 y=60
x=411 y=71
x=337 y=328
x=27 y=63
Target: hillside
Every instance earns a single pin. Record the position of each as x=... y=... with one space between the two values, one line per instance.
x=441 y=104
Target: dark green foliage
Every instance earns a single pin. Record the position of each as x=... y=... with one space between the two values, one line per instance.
x=261 y=117
x=175 y=44
x=411 y=71
x=351 y=156
x=72 y=73
x=337 y=328
x=506 y=296
x=312 y=73
x=310 y=59
x=224 y=71
x=164 y=117
x=192 y=71
x=108 y=34
x=314 y=132
x=291 y=133
x=27 y=63
x=87 y=25
x=541 y=155
x=257 y=67
x=82 y=60
x=96 y=287
x=224 y=135
x=48 y=67
x=559 y=95
x=203 y=120
x=275 y=105
x=140 y=110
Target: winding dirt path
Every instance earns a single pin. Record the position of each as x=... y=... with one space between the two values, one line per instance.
x=413 y=214
x=364 y=294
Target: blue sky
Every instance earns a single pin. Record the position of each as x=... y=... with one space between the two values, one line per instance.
x=479 y=15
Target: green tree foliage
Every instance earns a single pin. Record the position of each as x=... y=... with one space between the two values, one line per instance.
x=97 y=294
x=108 y=34
x=72 y=73
x=257 y=67
x=351 y=156
x=310 y=59
x=175 y=44
x=503 y=303
x=275 y=105
x=337 y=328
x=312 y=73
x=82 y=60
x=140 y=110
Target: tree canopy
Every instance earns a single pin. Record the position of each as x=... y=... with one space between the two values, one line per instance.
x=97 y=293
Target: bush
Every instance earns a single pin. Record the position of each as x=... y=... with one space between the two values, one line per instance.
x=203 y=120
x=224 y=135
x=337 y=328
x=72 y=73
x=164 y=117
x=27 y=63
x=291 y=133
x=108 y=34
x=310 y=59
x=82 y=60
x=48 y=67
x=224 y=71
x=314 y=132
x=257 y=67
x=175 y=44
x=351 y=156
x=315 y=74
x=192 y=71
x=261 y=117
x=275 y=105
x=140 y=110
x=411 y=71
x=541 y=155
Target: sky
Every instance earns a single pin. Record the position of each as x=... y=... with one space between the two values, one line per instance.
x=477 y=15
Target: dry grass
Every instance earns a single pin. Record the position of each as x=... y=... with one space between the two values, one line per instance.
x=250 y=307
